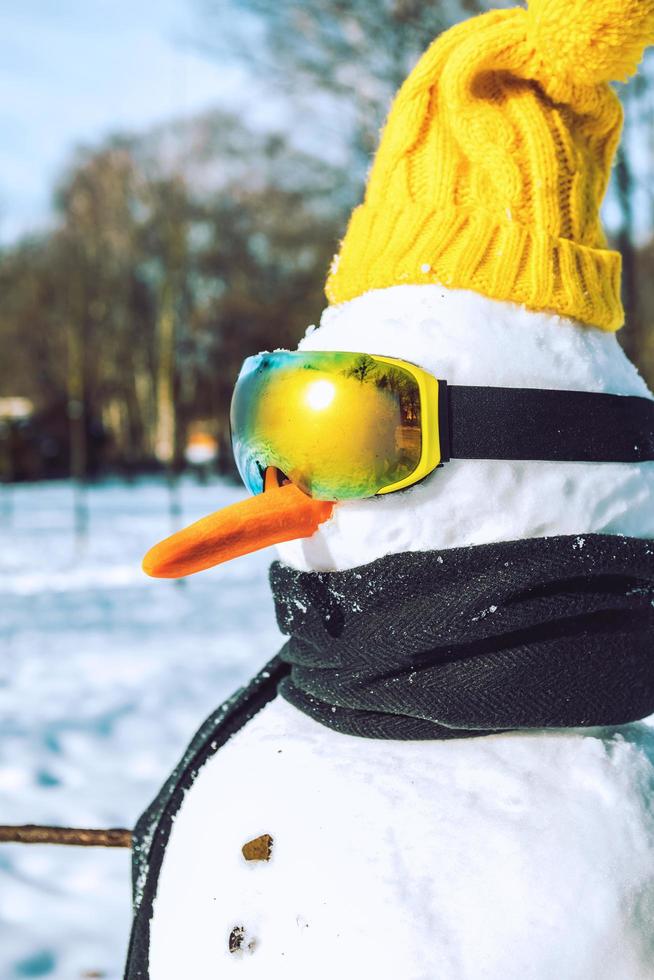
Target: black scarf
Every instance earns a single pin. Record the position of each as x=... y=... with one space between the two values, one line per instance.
x=543 y=632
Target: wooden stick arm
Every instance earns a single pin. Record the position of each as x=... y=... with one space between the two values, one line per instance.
x=73 y=836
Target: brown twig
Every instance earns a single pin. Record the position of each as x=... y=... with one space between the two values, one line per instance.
x=33 y=834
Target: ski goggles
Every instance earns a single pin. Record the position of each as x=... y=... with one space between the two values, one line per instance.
x=338 y=425
x=343 y=425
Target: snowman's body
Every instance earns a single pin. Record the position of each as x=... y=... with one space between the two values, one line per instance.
x=508 y=857
x=514 y=857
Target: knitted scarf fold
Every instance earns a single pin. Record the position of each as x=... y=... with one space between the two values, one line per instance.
x=543 y=632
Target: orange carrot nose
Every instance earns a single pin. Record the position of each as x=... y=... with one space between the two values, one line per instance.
x=280 y=514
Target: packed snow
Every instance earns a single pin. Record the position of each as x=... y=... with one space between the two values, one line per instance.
x=508 y=857
x=104 y=676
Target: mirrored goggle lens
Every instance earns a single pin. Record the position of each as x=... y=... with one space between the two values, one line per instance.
x=338 y=425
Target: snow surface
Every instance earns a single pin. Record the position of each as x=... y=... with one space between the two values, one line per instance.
x=104 y=676
x=471 y=340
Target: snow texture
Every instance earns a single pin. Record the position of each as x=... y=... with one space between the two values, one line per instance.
x=515 y=857
x=510 y=857
x=104 y=676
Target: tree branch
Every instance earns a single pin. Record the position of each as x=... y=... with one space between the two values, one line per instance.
x=74 y=836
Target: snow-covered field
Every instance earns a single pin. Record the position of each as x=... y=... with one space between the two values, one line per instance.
x=104 y=676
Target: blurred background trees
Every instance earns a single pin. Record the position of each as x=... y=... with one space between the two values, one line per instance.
x=177 y=252
x=127 y=323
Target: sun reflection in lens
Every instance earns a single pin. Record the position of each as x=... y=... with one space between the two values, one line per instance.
x=320 y=394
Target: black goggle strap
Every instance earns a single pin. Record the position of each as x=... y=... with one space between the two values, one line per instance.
x=539 y=424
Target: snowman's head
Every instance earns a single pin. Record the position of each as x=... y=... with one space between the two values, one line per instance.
x=469 y=340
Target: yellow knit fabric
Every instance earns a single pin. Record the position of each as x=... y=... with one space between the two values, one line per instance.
x=495 y=159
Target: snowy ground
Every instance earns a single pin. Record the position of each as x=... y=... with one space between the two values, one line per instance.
x=104 y=676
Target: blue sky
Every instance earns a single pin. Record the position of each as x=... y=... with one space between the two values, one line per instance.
x=73 y=70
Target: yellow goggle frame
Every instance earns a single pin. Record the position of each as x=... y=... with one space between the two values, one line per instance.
x=430 y=456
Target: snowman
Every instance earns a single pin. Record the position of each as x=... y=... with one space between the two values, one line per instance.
x=443 y=775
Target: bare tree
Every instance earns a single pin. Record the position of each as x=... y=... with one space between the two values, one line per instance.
x=133 y=315
x=345 y=59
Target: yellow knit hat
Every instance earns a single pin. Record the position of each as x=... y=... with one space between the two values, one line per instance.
x=495 y=159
